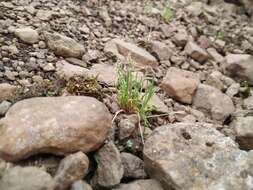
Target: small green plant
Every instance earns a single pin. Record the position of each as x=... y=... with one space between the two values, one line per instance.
x=148 y=8
x=167 y=14
x=129 y=145
x=220 y=35
x=132 y=96
x=245 y=89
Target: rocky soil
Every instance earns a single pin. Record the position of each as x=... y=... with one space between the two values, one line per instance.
x=61 y=125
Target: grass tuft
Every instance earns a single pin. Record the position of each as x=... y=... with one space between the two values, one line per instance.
x=133 y=97
x=167 y=14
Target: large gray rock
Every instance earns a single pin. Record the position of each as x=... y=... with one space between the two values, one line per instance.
x=148 y=184
x=110 y=169
x=57 y=125
x=27 y=178
x=196 y=157
x=213 y=102
x=240 y=67
x=64 y=46
x=72 y=168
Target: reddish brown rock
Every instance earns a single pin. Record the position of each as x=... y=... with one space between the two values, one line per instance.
x=180 y=84
x=57 y=125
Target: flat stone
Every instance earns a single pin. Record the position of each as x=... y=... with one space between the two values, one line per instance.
x=139 y=55
x=76 y=61
x=27 y=35
x=148 y=184
x=31 y=178
x=239 y=67
x=213 y=102
x=57 y=125
x=196 y=157
x=64 y=46
x=66 y=70
x=196 y=52
x=72 y=168
x=180 y=84
x=106 y=73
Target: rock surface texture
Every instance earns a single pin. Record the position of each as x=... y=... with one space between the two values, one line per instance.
x=31 y=178
x=59 y=125
x=196 y=157
x=72 y=168
x=110 y=169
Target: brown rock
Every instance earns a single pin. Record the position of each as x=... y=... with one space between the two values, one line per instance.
x=181 y=38
x=27 y=178
x=66 y=70
x=162 y=51
x=7 y=91
x=57 y=125
x=180 y=84
x=110 y=169
x=72 y=168
x=127 y=126
x=196 y=52
x=138 y=54
x=133 y=166
x=212 y=101
x=64 y=46
x=106 y=73
x=27 y=35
